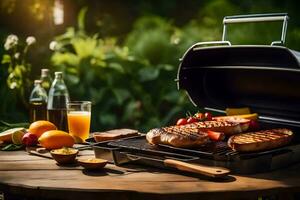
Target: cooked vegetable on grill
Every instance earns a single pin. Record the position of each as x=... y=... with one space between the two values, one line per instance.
x=181 y=121
x=215 y=136
x=194 y=118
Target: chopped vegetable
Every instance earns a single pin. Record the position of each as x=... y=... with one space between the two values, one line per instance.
x=253 y=116
x=181 y=121
x=191 y=120
x=200 y=116
x=253 y=125
x=215 y=136
x=208 y=116
x=194 y=118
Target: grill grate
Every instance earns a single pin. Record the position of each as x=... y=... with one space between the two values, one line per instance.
x=139 y=144
x=213 y=150
x=214 y=154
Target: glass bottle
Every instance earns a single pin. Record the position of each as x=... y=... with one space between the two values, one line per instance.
x=46 y=79
x=57 y=102
x=38 y=103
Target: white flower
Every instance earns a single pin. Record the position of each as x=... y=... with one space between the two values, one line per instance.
x=30 y=40
x=11 y=41
x=176 y=40
x=17 y=55
x=13 y=85
x=53 y=45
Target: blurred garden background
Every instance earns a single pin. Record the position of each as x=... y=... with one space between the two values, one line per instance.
x=121 y=55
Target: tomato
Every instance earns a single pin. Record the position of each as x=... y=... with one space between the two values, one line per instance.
x=253 y=125
x=199 y=116
x=208 y=116
x=181 y=121
x=215 y=136
x=192 y=120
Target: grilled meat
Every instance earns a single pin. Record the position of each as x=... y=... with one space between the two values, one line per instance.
x=260 y=140
x=177 y=136
x=190 y=135
x=227 y=127
x=244 y=123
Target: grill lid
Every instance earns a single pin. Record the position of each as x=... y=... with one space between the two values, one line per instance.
x=265 y=78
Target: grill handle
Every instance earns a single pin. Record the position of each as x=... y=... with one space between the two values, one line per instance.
x=215 y=172
x=258 y=18
x=202 y=44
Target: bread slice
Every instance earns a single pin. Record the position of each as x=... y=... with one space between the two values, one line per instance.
x=260 y=140
x=114 y=134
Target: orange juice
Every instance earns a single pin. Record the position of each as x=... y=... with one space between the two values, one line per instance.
x=79 y=125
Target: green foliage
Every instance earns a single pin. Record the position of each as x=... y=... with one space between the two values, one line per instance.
x=130 y=77
x=132 y=84
x=150 y=39
x=5 y=126
x=15 y=80
x=129 y=86
x=15 y=60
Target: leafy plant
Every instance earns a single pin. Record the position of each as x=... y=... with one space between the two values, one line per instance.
x=15 y=73
x=129 y=85
x=129 y=78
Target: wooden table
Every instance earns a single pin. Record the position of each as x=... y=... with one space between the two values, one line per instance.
x=41 y=178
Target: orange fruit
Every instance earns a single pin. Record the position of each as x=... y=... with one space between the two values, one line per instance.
x=56 y=139
x=39 y=127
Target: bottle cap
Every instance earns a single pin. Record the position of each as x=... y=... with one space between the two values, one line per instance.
x=37 y=82
x=58 y=74
x=45 y=72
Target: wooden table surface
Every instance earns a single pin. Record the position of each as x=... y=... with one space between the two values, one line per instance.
x=41 y=178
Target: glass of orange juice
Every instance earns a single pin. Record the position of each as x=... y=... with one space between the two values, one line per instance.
x=79 y=119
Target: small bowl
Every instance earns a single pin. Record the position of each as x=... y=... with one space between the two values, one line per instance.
x=64 y=155
x=92 y=163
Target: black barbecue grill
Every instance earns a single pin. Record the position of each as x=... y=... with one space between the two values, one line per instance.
x=217 y=75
